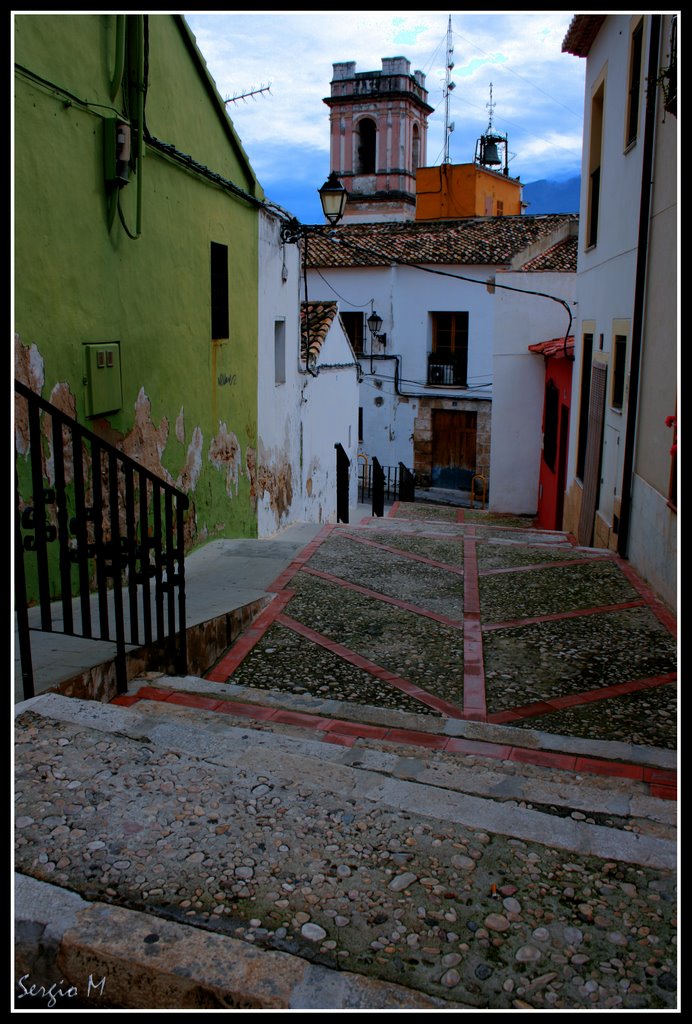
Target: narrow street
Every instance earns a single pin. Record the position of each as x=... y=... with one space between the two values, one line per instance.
x=438 y=771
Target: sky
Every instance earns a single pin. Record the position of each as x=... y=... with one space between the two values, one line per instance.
x=537 y=91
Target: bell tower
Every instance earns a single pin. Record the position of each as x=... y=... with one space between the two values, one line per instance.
x=378 y=132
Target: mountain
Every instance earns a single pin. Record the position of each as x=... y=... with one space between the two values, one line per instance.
x=552 y=196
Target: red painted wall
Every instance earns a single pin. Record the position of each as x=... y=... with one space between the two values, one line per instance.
x=552 y=481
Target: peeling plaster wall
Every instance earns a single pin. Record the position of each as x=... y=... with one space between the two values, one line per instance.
x=279 y=401
x=189 y=404
x=301 y=415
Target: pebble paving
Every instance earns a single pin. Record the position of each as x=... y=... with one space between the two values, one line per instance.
x=486 y=920
x=286 y=661
x=561 y=657
x=430 y=656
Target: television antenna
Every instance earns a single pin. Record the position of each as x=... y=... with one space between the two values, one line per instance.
x=449 y=87
x=251 y=93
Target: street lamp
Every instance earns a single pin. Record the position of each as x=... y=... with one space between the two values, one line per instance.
x=333 y=197
x=374 y=323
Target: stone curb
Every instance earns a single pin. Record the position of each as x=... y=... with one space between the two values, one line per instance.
x=490 y=733
x=64 y=943
x=402 y=793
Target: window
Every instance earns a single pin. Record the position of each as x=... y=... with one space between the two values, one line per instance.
x=595 y=165
x=500 y=208
x=360 y=424
x=670 y=73
x=584 y=400
x=619 y=366
x=635 y=80
x=550 y=424
x=415 y=153
x=367 y=135
x=219 y=291
x=353 y=325
x=279 y=352
x=448 y=362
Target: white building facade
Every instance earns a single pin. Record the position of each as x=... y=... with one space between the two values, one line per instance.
x=622 y=477
x=449 y=342
x=306 y=406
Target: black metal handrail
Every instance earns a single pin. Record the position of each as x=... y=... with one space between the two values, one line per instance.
x=100 y=527
x=343 y=465
x=385 y=482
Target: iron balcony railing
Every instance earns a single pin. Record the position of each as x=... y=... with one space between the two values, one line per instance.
x=447 y=368
x=99 y=544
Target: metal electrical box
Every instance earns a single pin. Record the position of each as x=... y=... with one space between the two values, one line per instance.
x=103 y=390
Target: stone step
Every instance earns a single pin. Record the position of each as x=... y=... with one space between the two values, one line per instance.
x=610 y=817
x=198 y=859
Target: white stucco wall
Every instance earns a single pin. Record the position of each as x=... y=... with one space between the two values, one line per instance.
x=330 y=417
x=519 y=383
x=653 y=547
x=606 y=292
x=301 y=418
x=404 y=297
x=279 y=487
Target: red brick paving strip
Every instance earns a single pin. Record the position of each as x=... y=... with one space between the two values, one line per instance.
x=555 y=616
x=406 y=554
x=404 y=605
x=474 y=672
x=661 y=782
x=383 y=674
x=249 y=638
x=553 y=704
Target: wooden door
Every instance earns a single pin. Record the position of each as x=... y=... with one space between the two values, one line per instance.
x=453 y=448
x=594 y=451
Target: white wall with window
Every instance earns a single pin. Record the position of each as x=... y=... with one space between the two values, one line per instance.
x=627 y=294
x=423 y=315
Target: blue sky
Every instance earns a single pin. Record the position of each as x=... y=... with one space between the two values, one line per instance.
x=537 y=91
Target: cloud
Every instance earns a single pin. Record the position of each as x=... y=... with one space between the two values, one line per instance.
x=538 y=92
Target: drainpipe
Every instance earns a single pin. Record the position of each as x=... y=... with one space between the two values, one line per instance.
x=640 y=283
x=119 y=68
x=140 y=118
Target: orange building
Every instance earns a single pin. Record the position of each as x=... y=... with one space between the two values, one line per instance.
x=451 y=191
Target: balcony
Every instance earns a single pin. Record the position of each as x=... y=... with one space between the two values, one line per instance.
x=447 y=369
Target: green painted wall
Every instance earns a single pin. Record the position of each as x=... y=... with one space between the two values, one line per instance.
x=184 y=397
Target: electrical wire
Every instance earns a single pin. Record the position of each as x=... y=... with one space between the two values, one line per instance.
x=470 y=280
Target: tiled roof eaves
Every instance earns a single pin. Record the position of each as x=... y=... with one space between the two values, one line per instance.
x=561 y=257
x=581 y=33
x=479 y=241
x=315 y=320
x=556 y=347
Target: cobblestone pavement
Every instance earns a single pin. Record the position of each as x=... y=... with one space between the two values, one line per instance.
x=572 y=642
x=442 y=757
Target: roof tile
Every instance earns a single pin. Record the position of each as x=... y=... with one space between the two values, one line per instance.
x=472 y=241
x=559 y=257
x=315 y=320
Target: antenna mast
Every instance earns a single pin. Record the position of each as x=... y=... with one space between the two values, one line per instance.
x=449 y=86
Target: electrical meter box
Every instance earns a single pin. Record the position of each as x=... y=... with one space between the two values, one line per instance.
x=103 y=390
